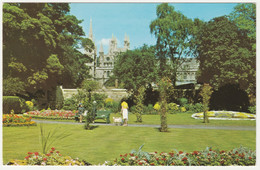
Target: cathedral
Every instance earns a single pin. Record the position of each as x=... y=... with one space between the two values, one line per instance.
x=102 y=66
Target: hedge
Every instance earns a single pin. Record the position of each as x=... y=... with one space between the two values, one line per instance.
x=11 y=103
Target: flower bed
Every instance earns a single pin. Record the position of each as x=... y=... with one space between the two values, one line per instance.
x=16 y=120
x=52 y=158
x=239 y=156
x=225 y=115
x=52 y=114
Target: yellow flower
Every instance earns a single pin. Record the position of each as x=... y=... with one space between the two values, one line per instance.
x=183 y=109
x=157 y=106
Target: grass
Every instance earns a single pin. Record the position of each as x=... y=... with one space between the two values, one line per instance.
x=185 y=119
x=177 y=119
x=108 y=142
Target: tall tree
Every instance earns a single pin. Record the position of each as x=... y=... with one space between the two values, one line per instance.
x=136 y=68
x=175 y=42
x=40 y=43
x=225 y=55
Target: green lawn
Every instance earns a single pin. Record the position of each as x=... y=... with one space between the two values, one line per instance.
x=108 y=142
x=185 y=119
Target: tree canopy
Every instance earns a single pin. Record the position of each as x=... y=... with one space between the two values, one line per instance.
x=40 y=47
x=136 y=68
x=175 y=42
x=225 y=55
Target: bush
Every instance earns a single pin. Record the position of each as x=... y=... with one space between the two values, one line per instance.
x=172 y=108
x=252 y=109
x=238 y=156
x=11 y=103
x=70 y=104
x=149 y=110
x=182 y=101
x=198 y=107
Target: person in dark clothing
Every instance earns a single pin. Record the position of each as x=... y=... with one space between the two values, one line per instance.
x=79 y=115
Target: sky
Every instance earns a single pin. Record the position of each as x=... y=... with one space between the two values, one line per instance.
x=133 y=19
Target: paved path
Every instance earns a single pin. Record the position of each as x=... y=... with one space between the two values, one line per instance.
x=249 y=128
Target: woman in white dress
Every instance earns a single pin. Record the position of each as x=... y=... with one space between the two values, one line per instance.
x=124 y=112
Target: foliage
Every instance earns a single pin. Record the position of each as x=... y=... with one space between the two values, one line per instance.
x=48 y=138
x=205 y=93
x=237 y=157
x=15 y=120
x=70 y=104
x=52 y=114
x=182 y=101
x=197 y=107
x=136 y=68
x=11 y=103
x=140 y=106
x=172 y=108
x=29 y=104
x=53 y=158
x=226 y=56
x=52 y=35
x=252 y=109
x=157 y=106
x=149 y=110
x=174 y=33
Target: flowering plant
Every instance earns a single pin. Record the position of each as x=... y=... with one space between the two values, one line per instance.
x=29 y=104
x=16 y=120
x=53 y=157
x=238 y=156
x=52 y=114
x=157 y=106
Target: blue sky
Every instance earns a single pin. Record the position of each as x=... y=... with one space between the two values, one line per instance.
x=134 y=19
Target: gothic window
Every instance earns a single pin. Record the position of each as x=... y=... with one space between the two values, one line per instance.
x=108 y=73
x=108 y=58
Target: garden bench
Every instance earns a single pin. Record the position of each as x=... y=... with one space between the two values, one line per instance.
x=103 y=114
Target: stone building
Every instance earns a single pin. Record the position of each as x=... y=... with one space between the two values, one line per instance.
x=102 y=66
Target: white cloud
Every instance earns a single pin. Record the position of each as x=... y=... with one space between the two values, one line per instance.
x=104 y=41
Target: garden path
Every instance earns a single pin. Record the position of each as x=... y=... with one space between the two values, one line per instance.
x=248 y=128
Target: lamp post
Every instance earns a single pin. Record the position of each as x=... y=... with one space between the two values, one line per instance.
x=94 y=110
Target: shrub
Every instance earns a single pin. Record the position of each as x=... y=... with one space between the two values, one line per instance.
x=70 y=104
x=54 y=157
x=109 y=103
x=238 y=156
x=157 y=106
x=11 y=103
x=182 y=101
x=198 y=107
x=149 y=110
x=252 y=109
x=172 y=108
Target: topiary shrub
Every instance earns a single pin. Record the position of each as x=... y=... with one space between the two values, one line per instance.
x=252 y=109
x=11 y=103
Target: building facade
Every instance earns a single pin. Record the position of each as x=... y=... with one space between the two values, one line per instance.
x=102 y=66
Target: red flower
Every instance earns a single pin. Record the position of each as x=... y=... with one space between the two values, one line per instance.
x=36 y=153
x=187 y=154
x=131 y=154
x=250 y=158
x=155 y=152
x=45 y=159
x=27 y=157
x=125 y=155
x=53 y=148
x=157 y=159
x=136 y=157
x=140 y=163
x=184 y=159
x=51 y=151
x=152 y=164
x=195 y=152
x=30 y=153
x=208 y=154
x=180 y=152
x=173 y=163
x=48 y=154
x=57 y=151
x=36 y=157
x=184 y=162
x=121 y=155
x=60 y=154
x=210 y=149
x=122 y=159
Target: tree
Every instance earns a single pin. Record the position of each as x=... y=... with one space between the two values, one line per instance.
x=225 y=55
x=136 y=68
x=139 y=104
x=244 y=16
x=205 y=93
x=40 y=44
x=175 y=42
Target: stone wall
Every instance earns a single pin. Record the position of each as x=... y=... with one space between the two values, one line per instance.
x=115 y=94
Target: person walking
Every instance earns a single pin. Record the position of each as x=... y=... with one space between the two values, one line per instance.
x=124 y=111
x=81 y=110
